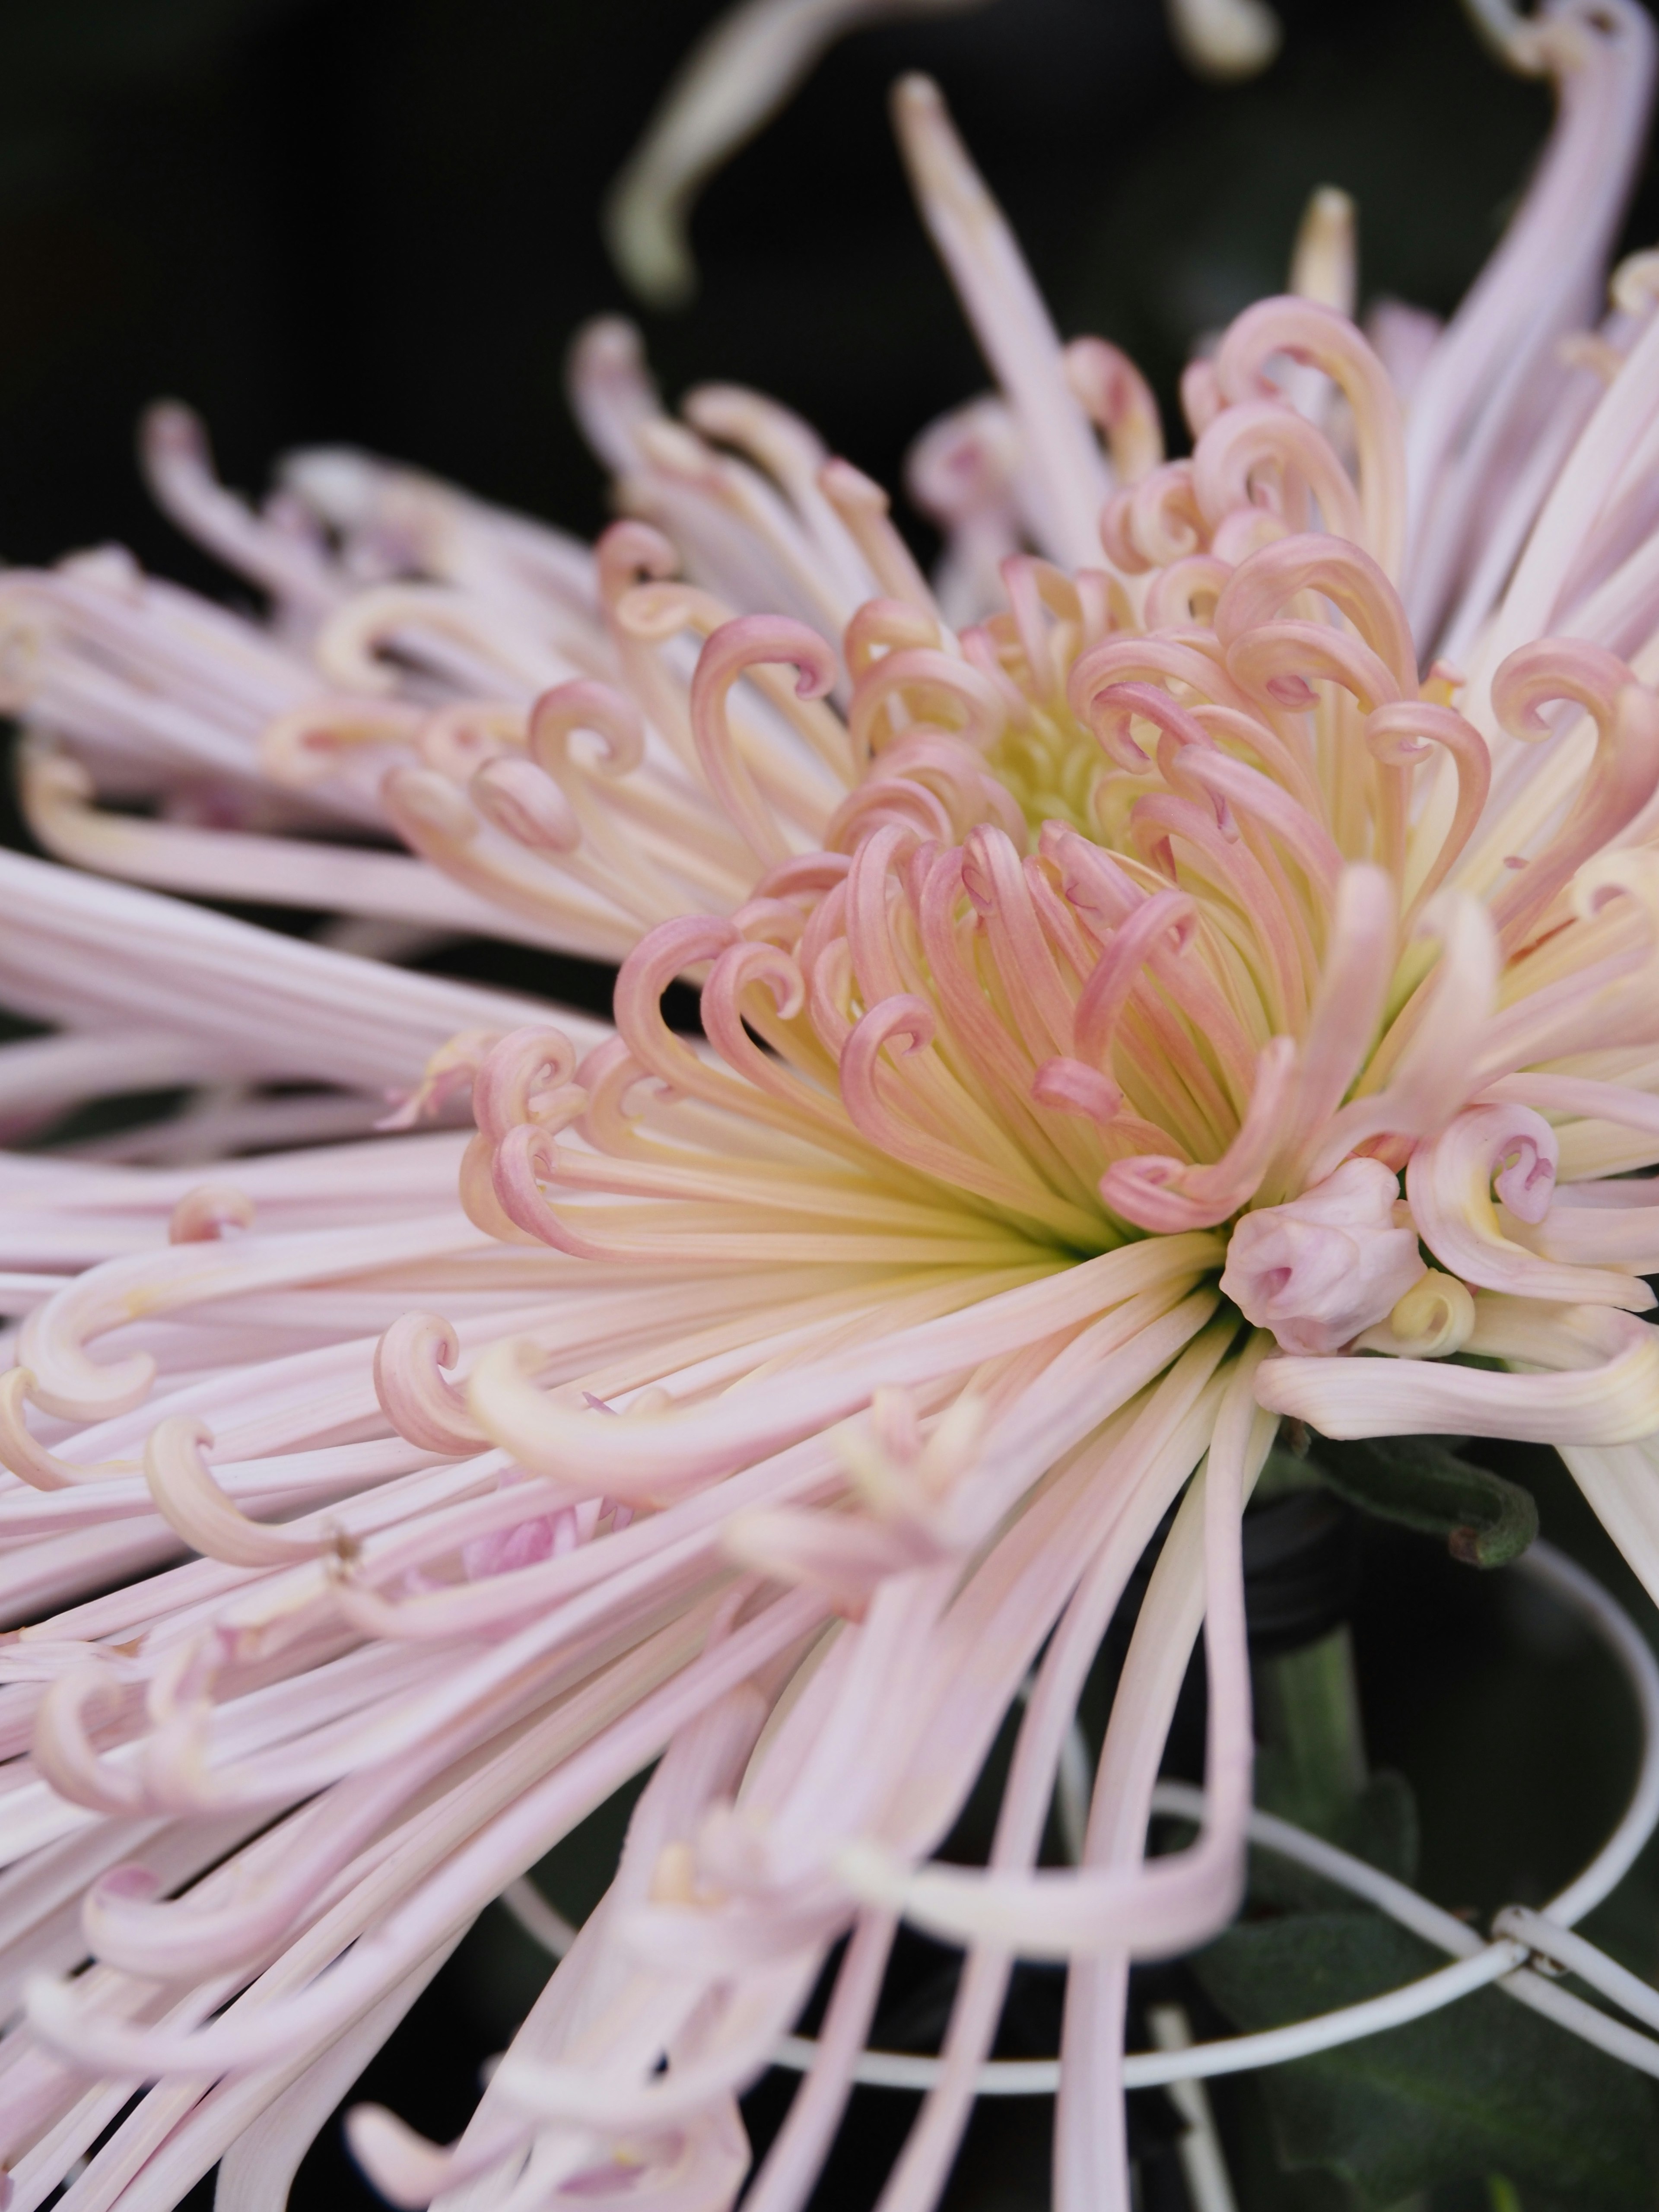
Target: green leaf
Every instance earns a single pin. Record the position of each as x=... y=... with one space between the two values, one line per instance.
x=1383 y=1826
x=1484 y=2088
x=1379 y=1826
x=1483 y=1520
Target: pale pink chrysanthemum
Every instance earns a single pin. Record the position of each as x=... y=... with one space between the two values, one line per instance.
x=1181 y=962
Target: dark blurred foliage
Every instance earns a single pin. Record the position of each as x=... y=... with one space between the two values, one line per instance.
x=374 y=221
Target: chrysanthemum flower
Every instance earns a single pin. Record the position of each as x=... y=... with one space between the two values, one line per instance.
x=1201 y=1002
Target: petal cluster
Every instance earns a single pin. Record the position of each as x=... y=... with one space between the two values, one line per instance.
x=1193 y=961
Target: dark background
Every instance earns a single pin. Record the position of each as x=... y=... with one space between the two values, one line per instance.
x=374 y=221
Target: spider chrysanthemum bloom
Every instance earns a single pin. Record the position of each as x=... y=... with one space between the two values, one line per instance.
x=1191 y=1008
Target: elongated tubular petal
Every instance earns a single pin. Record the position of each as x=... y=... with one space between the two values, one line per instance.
x=1091 y=2138
x=1400 y=736
x=1009 y=319
x=1246 y=877
x=193 y=1504
x=1449 y=1182
x=24 y=1455
x=1166 y=1196
x=1425 y=1057
x=999 y=1052
x=1342 y=1022
x=203 y=1215
x=1114 y=705
x=1618 y=1481
x=1548 y=669
x=844 y=1558
x=572 y=2094
x=1612 y=1400
x=612 y=397
x=178 y=469
x=103 y=954
x=909 y=1022
x=1155 y=522
x=792 y=2163
x=1604 y=1223
x=127 y=1926
x=440 y=824
x=1279 y=664
x=1576 y=1095
x=920 y=677
x=1316 y=335
x=1481 y=381
x=1257 y=434
x=863 y=509
x=793 y=455
x=1118 y=400
x=234 y=863
x=885 y=626
x=63 y=1748
x=263 y=2025
x=1184 y=594
x=994 y=877
x=740 y=969
x=962 y=472
x=1612 y=995
x=419 y=1400
x=1155 y=1909
x=1166 y=914
x=1187 y=984
x=1256 y=798
x=1577 y=498
x=1324 y=261
x=459 y=740
x=516 y=798
x=260 y=2139
x=746 y=642
x=665 y=952
x=77 y=1388
x=524 y=1076
x=1147 y=660
x=584 y=704
x=443 y=628
x=1622 y=779
x=1163 y=1459
x=544 y=1434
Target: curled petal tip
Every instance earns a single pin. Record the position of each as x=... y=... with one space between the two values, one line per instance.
x=403 y=2166
x=1434 y=1319
x=206 y=1213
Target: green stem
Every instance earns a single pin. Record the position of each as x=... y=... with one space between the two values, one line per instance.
x=1310 y=1766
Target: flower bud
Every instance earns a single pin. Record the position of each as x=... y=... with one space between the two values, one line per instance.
x=1319 y=1269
